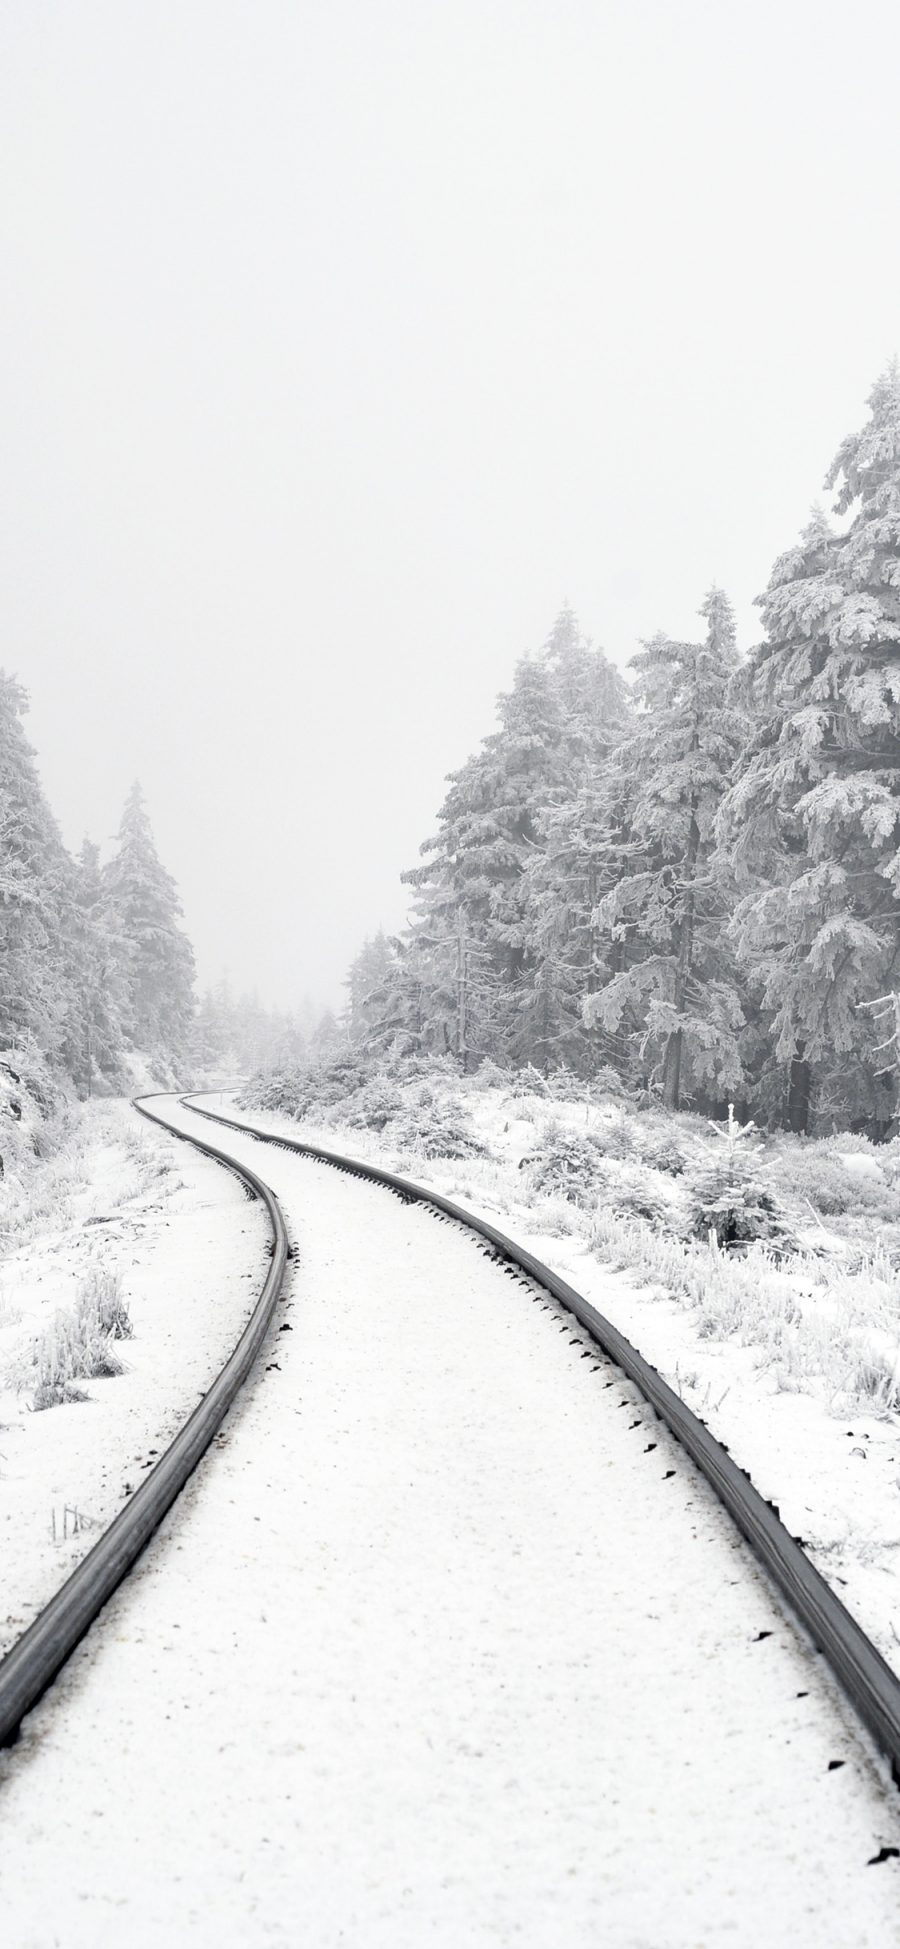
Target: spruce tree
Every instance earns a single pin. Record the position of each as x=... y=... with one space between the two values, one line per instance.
x=676 y=992
x=566 y=874
x=471 y=902
x=36 y=895
x=94 y=1030
x=813 y=823
x=154 y=957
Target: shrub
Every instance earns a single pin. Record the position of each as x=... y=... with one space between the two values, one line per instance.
x=103 y=1307
x=489 y=1076
x=607 y=1082
x=658 y=1149
x=633 y=1190
x=613 y=1137
x=808 y=1173
x=729 y=1192
x=77 y=1345
x=529 y=1082
x=566 y=1164
x=374 y=1106
x=430 y=1129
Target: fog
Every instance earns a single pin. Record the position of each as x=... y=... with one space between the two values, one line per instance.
x=342 y=342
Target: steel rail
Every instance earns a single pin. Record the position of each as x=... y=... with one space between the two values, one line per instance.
x=864 y=1675
x=43 y=1648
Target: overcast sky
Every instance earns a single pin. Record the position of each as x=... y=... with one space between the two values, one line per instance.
x=343 y=339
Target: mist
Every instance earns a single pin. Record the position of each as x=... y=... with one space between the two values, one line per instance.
x=343 y=344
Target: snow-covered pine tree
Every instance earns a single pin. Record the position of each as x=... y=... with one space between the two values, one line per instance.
x=566 y=874
x=730 y=1197
x=471 y=905
x=94 y=1037
x=813 y=822
x=37 y=992
x=370 y=983
x=155 y=959
x=675 y=992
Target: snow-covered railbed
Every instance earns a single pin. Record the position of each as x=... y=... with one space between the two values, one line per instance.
x=173 y=1235
x=830 y=1466
x=444 y=1643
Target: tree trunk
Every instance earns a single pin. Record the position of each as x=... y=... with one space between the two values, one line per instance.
x=462 y=991
x=592 y=930
x=798 y=1094
x=672 y=1064
x=672 y=1071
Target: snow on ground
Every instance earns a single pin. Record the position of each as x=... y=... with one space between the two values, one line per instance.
x=444 y=1643
x=834 y=1473
x=189 y=1250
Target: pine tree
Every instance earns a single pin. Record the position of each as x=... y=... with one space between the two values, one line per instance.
x=154 y=956
x=506 y=954
x=813 y=823
x=566 y=874
x=36 y=894
x=676 y=993
x=471 y=904
x=369 y=983
x=94 y=1031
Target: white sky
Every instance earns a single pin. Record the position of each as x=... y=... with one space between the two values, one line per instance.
x=342 y=341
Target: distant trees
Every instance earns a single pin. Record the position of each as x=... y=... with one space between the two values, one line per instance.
x=692 y=882
x=93 y=960
x=236 y=1034
x=38 y=959
x=155 y=961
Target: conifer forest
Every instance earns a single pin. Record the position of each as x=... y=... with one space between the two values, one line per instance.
x=682 y=880
x=686 y=881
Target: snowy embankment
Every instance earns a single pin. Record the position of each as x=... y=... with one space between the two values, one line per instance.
x=788 y=1361
x=119 y=1209
x=445 y=1641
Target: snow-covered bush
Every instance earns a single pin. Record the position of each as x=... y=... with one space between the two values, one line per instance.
x=614 y=1137
x=565 y=1163
x=374 y=1105
x=426 y=1128
x=730 y=1196
x=659 y=1149
x=529 y=1082
x=606 y=1082
x=636 y=1191
x=102 y=1307
x=33 y=1108
x=808 y=1172
x=489 y=1076
x=77 y=1345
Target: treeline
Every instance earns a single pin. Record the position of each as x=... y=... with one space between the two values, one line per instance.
x=95 y=965
x=93 y=959
x=237 y=1034
x=689 y=882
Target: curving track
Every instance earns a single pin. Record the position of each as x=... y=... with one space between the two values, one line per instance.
x=443 y=1648
x=39 y=1654
x=869 y=1682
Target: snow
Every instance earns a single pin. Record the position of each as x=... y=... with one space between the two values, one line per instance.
x=861 y=1165
x=190 y=1250
x=833 y=1472
x=435 y=1648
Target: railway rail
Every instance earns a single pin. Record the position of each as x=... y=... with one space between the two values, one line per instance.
x=864 y=1675
x=39 y=1654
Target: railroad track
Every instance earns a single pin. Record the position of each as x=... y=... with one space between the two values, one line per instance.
x=42 y=1650
x=866 y=1678
x=39 y=1654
